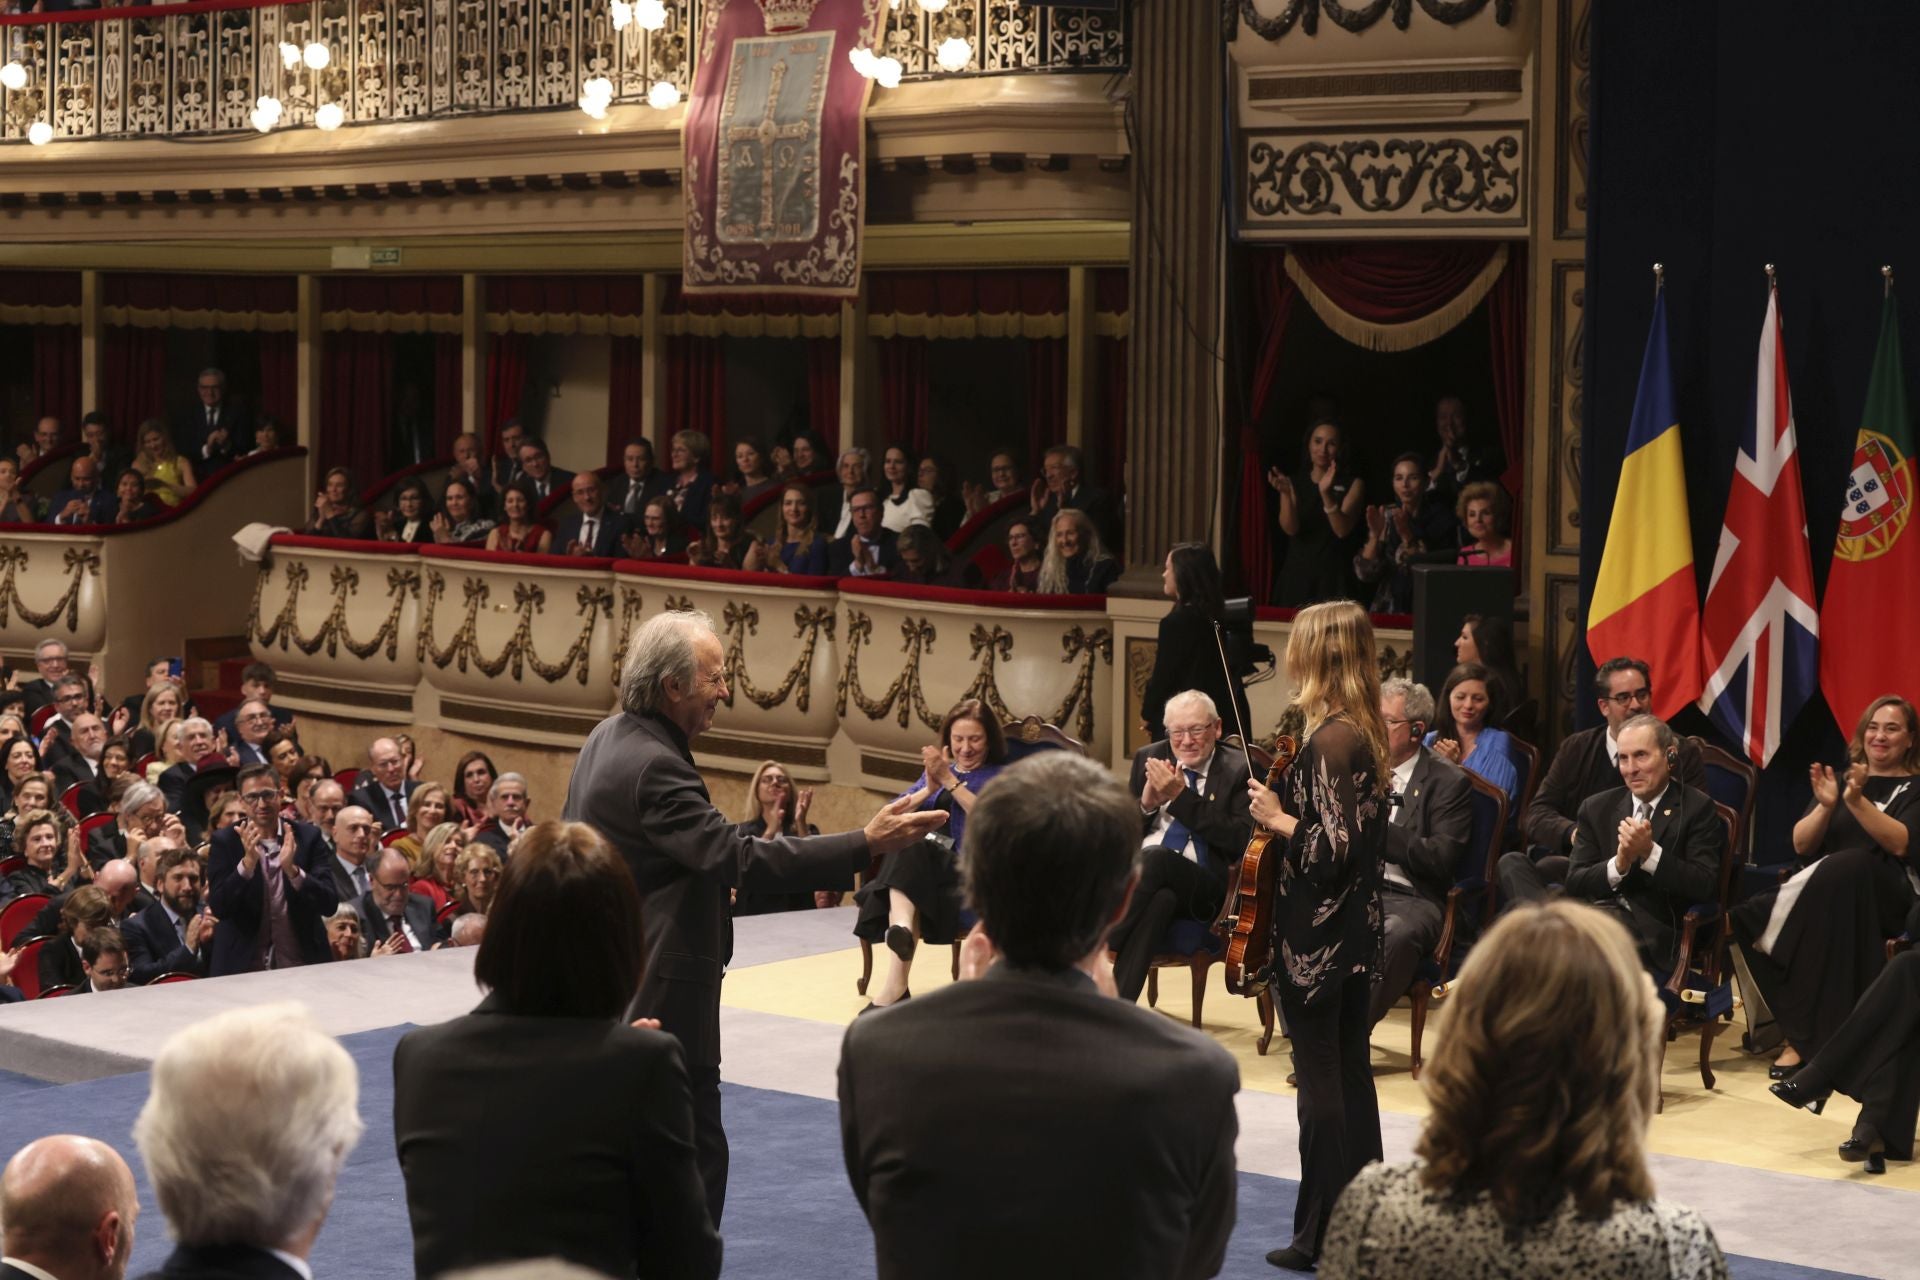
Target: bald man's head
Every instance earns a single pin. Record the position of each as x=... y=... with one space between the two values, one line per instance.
x=68 y=1206
x=118 y=880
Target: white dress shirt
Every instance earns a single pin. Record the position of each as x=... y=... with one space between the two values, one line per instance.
x=1651 y=863
x=1402 y=780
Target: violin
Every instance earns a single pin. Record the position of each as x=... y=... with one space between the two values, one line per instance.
x=1247 y=925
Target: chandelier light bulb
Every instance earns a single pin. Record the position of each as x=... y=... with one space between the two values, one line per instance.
x=622 y=14
x=864 y=62
x=40 y=133
x=289 y=55
x=954 y=53
x=650 y=14
x=664 y=95
x=13 y=76
x=261 y=120
x=887 y=72
x=932 y=6
x=594 y=107
x=316 y=55
x=599 y=87
x=330 y=116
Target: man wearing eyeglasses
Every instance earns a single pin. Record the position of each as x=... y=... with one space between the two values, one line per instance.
x=103 y=958
x=252 y=723
x=268 y=883
x=215 y=430
x=396 y=921
x=867 y=550
x=1585 y=765
x=1194 y=824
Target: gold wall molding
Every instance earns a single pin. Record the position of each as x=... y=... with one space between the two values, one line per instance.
x=519 y=653
x=333 y=634
x=1429 y=179
x=742 y=620
x=1570 y=123
x=79 y=564
x=1566 y=371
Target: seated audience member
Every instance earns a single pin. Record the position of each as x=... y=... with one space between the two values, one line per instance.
x=1322 y=511
x=85 y=500
x=395 y=920
x=252 y=723
x=852 y=469
x=591 y=530
x=774 y=808
x=470 y=467
x=250 y=1117
x=1488 y=640
x=916 y=895
x=867 y=550
x=355 y=838
x=1814 y=943
x=49 y=663
x=1427 y=837
x=169 y=476
x=411 y=518
x=727 y=543
x=141 y=816
x=537 y=469
x=1189 y=652
x=1460 y=462
x=507 y=806
x=1061 y=487
x=17 y=506
x=1587 y=764
x=798 y=548
x=1484 y=511
x=519 y=529
x=1074 y=563
x=1193 y=828
x=131 y=501
x=436 y=867
x=335 y=513
x=1874 y=1056
x=473 y=780
x=657 y=535
x=172 y=935
x=1415 y=528
x=103 y=959
x=426 y=809
x=751 y=474
x=196 y=743
x=216 y=429
x=86 y=910
x=36 y=837
x=460 y=521
x=949 y=512
x=69 y=1206
x=117 y=879
x=467 y=930
x=689 y=483
x=1647 y=851
x=1464 y=732
x=385 y=790
x=639 y=480
x=479 y=878
x=809 y=455
x=46 y=439
x=1023 y=559
x=256 y=685
x=924 y=561
x=506 y=466
x=21 y=760
x=1554 y=1030
x=79 y=765
x=346 y=936
x=159 y=707
x=269 y=883
x=903 y=502
x=1003 y=481
x=269 y=434
x=35 y=792
x=281 y=747
x=956 y=1102
x=602 y=1174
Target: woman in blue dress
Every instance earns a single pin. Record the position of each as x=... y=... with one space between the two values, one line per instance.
x=1464 y=732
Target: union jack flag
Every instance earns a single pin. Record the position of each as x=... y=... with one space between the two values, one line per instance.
x=1759 y=629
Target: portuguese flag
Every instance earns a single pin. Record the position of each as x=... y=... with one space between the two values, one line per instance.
x=1871 y=612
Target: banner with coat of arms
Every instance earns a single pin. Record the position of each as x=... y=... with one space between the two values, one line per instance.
x=774 y=143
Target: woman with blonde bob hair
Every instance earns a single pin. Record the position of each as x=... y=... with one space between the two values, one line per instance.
x=1533 y=1161
x=1332 y=814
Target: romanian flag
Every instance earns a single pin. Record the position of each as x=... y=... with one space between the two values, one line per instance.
x=1873 y=588
x=1646 y=603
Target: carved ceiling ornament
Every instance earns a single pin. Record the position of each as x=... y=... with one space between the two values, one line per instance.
x=1354 y=18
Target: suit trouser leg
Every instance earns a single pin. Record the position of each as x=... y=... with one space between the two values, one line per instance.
x=1413 y=929
x=1339 y=1111
x=1524 y=880
x=1171 y=888
x=709 y=1136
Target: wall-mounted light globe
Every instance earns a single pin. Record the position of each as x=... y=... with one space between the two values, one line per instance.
x=887 y=72
x=621 y=12
x=330 y=116
x=650 y=14
x=39 y=133
x=13 y=76
x=289 y=55
x=932 y=6
x=954 y=53
x=864 y=62
x=664 y=95
x=316 y=55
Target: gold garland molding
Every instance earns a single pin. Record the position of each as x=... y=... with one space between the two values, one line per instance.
x=743 y=620
x=519 y=652
x=1397 y=337
x=903 y=698
x=333 y=634
x=79 y=563
x=631 y=607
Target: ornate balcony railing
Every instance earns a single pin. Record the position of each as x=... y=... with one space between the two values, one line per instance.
x=203 y=69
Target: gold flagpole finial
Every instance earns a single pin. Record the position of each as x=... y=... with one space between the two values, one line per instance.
x=1886 y=277
x=1771 y=282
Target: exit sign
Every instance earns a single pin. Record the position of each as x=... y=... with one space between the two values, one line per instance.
x=387 y=257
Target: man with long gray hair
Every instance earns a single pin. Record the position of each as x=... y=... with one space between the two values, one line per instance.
x=636 y=784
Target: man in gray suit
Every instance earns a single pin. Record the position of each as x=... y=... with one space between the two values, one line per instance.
x=636 y=784
x=966 y=1111
x=1426 y=839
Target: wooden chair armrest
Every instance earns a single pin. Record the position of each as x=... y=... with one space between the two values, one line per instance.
x=1469 y=887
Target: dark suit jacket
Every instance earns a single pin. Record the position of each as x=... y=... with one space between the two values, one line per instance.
x=1099 y=508
x=601 y=1173
x=1187 y=656
x=60 y=964
x=240 y=901
x=1438 y=815
x=652 y=487
x=71 y=771
x=557 y=481
x=221 y=1262
x=104 y=844
x=173 y=785
x=225 y=722
x=190 y=436
x=343 y=884
x=635 y=783
x=840 y=553
x=1691 y=839
x=38 y=694
x=154 y=947
x=1222 y=817
x=1580 y=770
x=419 y=913
x=372 y=797
x=102 y=506
x=979 y=1102
x=606 y=535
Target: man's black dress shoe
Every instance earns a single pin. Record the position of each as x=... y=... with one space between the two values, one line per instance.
x=1290 y=1259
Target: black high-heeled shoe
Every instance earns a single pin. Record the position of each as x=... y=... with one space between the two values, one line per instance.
x=1791 y=1093
x=1778 y=1072
x=1871 y=1151
x=900 y=941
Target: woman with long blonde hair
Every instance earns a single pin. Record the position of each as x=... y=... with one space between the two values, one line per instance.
x=1327 y=921
x=1533 y=1160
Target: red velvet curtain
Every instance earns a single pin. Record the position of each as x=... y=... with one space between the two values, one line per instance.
x=697 y=395
x=280 y=380
x=1507 y=335
x=448 y=395
x=506 y=382
x=355 y=400
x=624 y=390
x=1037 y=292
x=823 y=391
x=1046 y=398
x=903 y=391
x=134 y=376
x=1390 y=282
x=1274 y=295
x=56 y=374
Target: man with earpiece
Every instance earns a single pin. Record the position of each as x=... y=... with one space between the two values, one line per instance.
x=1650 y=849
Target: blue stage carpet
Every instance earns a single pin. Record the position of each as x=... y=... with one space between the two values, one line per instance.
x=790 y=1214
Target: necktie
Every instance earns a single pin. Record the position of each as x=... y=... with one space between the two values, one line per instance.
x=1642 y=811
x=586 y=532
x=1179 y=837
x=398 y=801
x=400 y=932
x=360 y=879
x=212 y=416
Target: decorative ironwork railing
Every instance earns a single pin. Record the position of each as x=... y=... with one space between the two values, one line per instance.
x=202 y=67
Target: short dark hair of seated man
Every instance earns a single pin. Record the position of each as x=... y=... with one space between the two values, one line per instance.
x=1426 y=838
x=868 y=550
x=69 y=1205
x=1194 y=826
x=981 y=1100
x=103 y=958
x=1649 y=850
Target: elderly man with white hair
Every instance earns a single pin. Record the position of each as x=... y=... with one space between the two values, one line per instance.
x=1194 y=825
x=635 y=782
x=509 y=802
x=196 y=742
x=68 y=1206
x=250 y=1118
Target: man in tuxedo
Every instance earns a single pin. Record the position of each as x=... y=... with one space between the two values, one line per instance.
x=974 y=1104
x=868 y=550
x=389 y=792
x=387 y=910
x=269 y=884
x=354 y=843
x=1651 y=849
x=69 y=1206
x=1059 y=485
x=507 y=804
x=171 y=936
x=638 y=482
x=50 y=662
x=536 y=464
x=1427 y=836
x=835 y=509
x=215 y=431
x=635 y=782
x=1585 y=765
x=84 y=500
x=1194 y=826
x=592 y=530
x=506 y=467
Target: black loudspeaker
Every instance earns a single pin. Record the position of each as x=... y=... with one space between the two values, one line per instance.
x=1443 y=596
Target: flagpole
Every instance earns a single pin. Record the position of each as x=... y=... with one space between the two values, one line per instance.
x=1773 y=285
x=1886 y=275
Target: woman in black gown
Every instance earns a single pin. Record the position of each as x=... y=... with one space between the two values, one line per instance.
x=1187 y=654
x=1323 y=514
x=1873 y=1056
x=1327 y=917
x=1818 y=941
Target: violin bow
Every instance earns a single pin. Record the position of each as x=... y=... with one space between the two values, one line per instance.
x=1220 y=646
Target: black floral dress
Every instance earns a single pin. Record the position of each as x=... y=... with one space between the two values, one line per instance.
x=1327 y=920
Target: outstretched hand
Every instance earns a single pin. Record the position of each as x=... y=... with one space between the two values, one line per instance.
x=900 y=822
